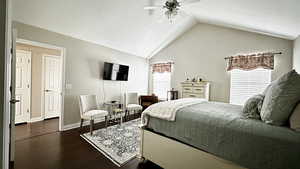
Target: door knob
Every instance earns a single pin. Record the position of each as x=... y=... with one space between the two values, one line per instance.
x=48 y=90
x=14 y=101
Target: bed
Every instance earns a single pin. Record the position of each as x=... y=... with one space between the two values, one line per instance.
x=211 y=135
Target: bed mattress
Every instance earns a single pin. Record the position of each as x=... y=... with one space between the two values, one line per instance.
x=220 y=129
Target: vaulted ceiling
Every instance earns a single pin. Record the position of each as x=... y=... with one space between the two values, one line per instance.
x=124 y=25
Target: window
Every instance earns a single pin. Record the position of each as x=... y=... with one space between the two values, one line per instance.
x=161 y=84
x=245 y=84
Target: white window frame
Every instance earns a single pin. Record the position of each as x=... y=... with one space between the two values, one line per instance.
x=168 y=86
x=161 y=93
x=245 y=84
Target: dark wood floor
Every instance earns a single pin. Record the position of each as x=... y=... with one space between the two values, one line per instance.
x=29 y=130
x=65 y=150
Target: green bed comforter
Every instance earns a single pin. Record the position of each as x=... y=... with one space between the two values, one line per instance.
x=220 y=129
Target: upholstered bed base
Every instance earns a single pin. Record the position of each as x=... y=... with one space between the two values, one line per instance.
x=171 y=154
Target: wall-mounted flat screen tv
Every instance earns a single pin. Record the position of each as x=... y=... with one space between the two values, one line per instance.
x=113 y=71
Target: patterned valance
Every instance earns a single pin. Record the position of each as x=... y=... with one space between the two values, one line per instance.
x=161 y=67
x=250 y=62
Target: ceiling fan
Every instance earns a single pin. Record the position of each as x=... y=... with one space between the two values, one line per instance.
x=171 y=7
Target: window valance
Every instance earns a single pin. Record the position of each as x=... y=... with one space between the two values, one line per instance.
x=251 y=62
x=161 y=67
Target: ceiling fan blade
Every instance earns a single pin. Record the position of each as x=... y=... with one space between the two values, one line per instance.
x=188 y=1
x=151 y=7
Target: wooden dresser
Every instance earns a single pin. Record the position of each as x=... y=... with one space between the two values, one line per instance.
x=195 y=89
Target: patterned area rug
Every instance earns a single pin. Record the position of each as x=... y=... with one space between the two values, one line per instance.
x=119 y=143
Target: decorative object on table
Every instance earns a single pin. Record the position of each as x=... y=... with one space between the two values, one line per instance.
x=172 y=8
x=132 y=104
x=195 y=89
x=116 y=111
x=119 y=143
x=89 y=110
x=118 y=115
x=252 y=61
x=147 y=101
x=172 y=94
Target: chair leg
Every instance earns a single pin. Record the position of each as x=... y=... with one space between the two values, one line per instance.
x=81 y=124
x=106 y=121
x=126 y=115
x=91 y=126
x=121 y=119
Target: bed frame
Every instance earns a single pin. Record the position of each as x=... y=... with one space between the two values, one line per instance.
x=171 y=154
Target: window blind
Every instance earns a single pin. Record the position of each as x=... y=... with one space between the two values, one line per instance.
x=161 y=84
x=245 y=84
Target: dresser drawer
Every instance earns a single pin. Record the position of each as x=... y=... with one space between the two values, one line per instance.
x=198 y=90
x=192 y=95
x=187 y=85
x=187 y=89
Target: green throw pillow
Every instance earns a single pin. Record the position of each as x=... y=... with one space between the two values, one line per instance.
x=281 y=98
x=253 y=107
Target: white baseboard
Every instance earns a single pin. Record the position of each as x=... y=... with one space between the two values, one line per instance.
x=36 y=119
x=77 y=125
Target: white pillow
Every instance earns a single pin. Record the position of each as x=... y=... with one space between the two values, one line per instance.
x=295 y=118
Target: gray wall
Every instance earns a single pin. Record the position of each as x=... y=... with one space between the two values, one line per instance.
x=296 y=60
x=201 y=51
x=2 y=71
x=84 y=64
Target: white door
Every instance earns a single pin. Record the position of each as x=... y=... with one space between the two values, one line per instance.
x=22 y=86
x=52 y=86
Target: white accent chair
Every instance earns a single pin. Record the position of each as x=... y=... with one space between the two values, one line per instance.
x=89 y=110
x=132 y=103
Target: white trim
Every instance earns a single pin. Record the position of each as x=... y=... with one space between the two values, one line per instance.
x=63 y=55
x=85 y=123
x=6 y=104
x=35 y=119
x=63 y=84
x=39 y=44
x=218 y=22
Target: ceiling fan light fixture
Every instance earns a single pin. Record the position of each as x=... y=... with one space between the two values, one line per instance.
x=172 y=7
x=171 y=15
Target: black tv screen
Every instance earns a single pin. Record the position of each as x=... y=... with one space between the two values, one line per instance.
x=113 y=71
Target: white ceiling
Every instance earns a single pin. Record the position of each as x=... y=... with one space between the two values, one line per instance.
x=124 y=25
x=274 y=17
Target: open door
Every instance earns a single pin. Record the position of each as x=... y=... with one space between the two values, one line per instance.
x=13 y=99
x=22 y=86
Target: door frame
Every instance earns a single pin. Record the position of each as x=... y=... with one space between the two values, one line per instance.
x=6 y=104
x=63 y=64
x=29 y=78
x=43 y=82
